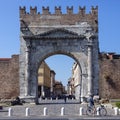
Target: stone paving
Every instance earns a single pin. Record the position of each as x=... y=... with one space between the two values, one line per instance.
x=71 y=109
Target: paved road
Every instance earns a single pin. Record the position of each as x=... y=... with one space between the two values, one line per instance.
x=62 y=118
x=71 y=111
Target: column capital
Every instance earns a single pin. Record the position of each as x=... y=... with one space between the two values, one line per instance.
x=89 y=35
x=89 y=44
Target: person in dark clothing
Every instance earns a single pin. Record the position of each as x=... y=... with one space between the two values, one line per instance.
x=90 y=101
x=65 y=98
x=17 y=101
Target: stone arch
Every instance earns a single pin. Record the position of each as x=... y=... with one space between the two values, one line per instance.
x=80 y=58
x=42 y=35
x=79 y=86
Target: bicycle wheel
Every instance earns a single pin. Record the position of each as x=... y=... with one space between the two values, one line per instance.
x=103 y=112
x=90 y=111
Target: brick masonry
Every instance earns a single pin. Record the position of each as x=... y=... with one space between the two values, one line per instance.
x=9 y=77
x=109 y=81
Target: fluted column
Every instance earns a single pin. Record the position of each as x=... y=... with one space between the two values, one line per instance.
x=90 y=81
x=90 y=69
x=27 y=70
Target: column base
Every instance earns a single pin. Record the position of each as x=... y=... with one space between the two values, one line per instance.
x=84 y=99
x=29 y=99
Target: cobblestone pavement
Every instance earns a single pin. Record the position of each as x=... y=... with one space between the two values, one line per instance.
x=71 y=111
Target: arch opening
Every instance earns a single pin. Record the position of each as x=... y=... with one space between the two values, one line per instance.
x=59 y=75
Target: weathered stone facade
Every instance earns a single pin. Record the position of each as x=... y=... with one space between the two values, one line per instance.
x=43 y=35
x=9 y=77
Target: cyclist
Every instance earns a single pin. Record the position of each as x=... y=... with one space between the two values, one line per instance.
x=90 y=101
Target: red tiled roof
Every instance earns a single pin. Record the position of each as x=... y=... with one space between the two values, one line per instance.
x=5 y=59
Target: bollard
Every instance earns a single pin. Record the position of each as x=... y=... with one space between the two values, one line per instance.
x=27 y=112
x=81 y=111
x=45 y=111
x=10 y=112
x=98 y=111
x=62 y=111
x=119 y=111
x=116 y=111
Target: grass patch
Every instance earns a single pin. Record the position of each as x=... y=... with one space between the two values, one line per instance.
x=117 y=104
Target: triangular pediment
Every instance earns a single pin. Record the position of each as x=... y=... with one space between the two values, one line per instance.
x=58 y=33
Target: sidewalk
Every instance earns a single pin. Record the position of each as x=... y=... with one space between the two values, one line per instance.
x=71 y=111
x=61 y=118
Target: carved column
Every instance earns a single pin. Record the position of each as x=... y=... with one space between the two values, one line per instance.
x=90 y=70
x=27 y=70
x=90 y=73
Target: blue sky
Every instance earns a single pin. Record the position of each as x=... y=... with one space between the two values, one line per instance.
x=109 y=25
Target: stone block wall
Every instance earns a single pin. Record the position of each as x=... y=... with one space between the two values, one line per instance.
x=9 y=77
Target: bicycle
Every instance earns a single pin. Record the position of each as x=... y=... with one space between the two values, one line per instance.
x=92 y=110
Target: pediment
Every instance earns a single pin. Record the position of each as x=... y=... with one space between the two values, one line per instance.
x=58 y=33
x=55 y=34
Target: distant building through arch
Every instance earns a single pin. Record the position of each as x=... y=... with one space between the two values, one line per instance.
x=46 y=34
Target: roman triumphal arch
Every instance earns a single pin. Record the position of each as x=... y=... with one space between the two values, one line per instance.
x=42 y=35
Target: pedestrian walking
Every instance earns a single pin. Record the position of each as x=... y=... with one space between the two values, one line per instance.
x=65 y=98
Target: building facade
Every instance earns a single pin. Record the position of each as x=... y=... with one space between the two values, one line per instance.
x=44 y=80
x=76 y=76
x=70 y=86
x=52 y=74
x=59 y=89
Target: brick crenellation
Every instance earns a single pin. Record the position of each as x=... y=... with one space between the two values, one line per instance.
x=69 y=10
x=46 y=18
